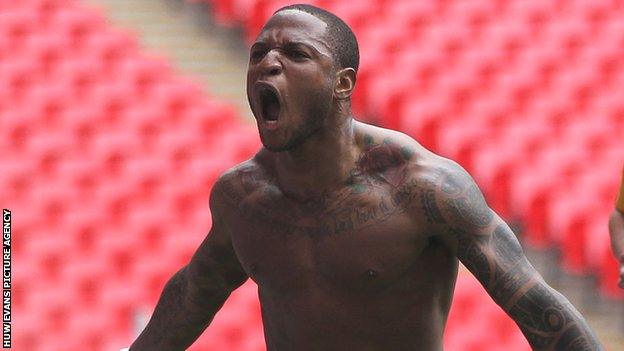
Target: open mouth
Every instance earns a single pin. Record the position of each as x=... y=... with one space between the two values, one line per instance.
x=269 y=104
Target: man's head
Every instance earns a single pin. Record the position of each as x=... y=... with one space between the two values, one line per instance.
x=338 y=34
x=302 y=70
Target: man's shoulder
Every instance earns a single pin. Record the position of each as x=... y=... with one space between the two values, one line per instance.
x=236 y=183
x=444 y=173
x=425 y=164
x=386 y=149
x=370 y=135
x=449 y=195
x=249 y=167
x=441 y=188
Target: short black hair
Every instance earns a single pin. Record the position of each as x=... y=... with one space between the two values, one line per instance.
x=340 y=37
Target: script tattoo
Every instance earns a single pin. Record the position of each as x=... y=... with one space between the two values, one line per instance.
x=325 y=215
x=377 y=189
x=491 y=251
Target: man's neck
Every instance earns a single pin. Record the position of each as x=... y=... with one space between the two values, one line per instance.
x=322 y=162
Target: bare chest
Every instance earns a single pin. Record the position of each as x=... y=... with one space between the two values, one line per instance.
x=356 y=239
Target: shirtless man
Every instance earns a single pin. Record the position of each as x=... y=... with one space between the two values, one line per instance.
x=352 y=232
x=616 y=228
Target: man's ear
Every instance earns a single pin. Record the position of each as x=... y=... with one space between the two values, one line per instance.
x=345 y=83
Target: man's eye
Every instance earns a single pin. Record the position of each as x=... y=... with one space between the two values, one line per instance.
x=298 y=54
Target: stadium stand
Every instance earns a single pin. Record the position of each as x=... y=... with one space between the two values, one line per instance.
x=108 y=155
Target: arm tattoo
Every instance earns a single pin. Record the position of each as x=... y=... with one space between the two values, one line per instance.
x=429 y=204
x=454 y=195
x=181 y=315
x=546 y=318
x=465 y=201
x=196 y=292
x=491 y=251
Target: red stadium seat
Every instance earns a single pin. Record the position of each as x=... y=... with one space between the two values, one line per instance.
x=95 y=131
x=78 y=24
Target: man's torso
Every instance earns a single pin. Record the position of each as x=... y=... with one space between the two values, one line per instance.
x=354 y=267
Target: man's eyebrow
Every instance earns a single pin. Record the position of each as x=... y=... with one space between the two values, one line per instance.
x=258 y=43
x=290 y=44
x=296 y=44
x=304 y=44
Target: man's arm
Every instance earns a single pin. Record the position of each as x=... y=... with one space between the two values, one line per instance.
x=196 y=292
x=490 y=250
x=616 y=229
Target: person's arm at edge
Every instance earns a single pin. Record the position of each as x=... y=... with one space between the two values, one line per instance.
x=616 y=230
x=490 y=250
x=196 y=292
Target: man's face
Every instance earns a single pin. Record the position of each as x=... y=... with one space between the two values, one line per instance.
x=290 y=79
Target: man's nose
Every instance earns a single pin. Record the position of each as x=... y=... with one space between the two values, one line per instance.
x=271 y=64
